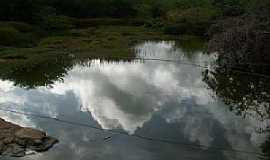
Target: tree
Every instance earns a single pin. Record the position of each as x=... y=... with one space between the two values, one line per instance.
x=18 y=10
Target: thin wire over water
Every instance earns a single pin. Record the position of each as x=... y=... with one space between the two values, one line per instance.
x=148 y=138
x=235 y=70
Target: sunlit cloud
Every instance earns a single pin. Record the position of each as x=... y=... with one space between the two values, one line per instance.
x=127 y=95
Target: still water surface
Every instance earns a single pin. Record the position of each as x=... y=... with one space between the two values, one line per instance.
x=157 y=99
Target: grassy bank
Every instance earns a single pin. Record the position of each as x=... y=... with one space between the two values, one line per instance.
x=47 y=55
x=109 y=40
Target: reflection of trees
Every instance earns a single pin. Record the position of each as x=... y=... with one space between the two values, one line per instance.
x=240 y=75
x=245 y=94
x=44 y=72
x=191 y=45
x=243 y=46
x=35 y=73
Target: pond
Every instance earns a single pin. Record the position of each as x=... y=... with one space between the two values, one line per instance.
x=153 y=107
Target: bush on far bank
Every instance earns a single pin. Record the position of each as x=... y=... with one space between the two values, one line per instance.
x=17 y=34
x=9 y=36
x=190 y=21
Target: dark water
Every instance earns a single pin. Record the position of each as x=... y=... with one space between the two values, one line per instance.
x=169 y=109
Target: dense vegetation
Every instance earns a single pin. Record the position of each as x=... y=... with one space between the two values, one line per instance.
x=237 y=29
x=174 y=16
x=170 y=16
x=33 y=29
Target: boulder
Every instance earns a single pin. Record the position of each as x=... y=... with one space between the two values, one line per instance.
x=16 y=140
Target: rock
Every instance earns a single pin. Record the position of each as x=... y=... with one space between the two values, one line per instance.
x=29 y=133
x=16 y=140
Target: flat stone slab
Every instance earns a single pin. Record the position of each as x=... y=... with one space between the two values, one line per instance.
x=15 y=141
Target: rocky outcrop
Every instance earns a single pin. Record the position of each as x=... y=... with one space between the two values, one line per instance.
x=16 y=141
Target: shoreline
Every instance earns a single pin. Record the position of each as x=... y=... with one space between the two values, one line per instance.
x=15 y=140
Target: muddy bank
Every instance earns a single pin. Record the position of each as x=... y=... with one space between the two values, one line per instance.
x=16 y=141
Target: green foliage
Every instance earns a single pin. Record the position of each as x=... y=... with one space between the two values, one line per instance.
x=20 y=26
x=55 y=22
x=93 y=22
x=44 y=70
x=112 y=40
x=261 y=7
x=192 y=15
x=231 y=7
x=191 y=44
x=48 y=19
x=17 y=34
x=175 y=16
x=192 y=20
x=9 y=36
x=186 y=4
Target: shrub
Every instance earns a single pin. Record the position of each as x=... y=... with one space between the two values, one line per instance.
x=20 y=26
x=179 y=28
x=17 y=34
x=92 y=22
x=56 y=22
x=10 y=36
x=55 y=42
x=244 y=38
x=136 y=22
x=190 y=21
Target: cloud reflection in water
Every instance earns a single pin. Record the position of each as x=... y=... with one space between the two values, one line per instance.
x=128 y=96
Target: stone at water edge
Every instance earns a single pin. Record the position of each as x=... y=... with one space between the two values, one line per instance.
x=16 y=140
